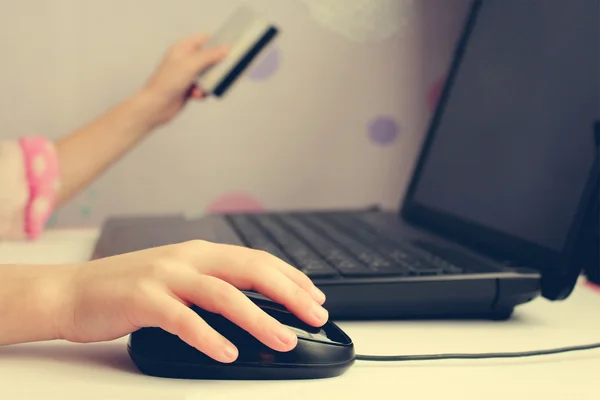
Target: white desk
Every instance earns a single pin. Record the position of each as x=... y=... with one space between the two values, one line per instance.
x=58 y=370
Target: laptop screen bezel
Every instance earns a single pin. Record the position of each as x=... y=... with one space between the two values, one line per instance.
x=493 y=243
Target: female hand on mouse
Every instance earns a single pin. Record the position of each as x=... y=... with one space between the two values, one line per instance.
x=108 y=298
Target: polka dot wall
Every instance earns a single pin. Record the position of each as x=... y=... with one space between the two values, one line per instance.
x=267 y=65
x=383 y=130
x=235 y=202
x=269 y=144
x=434 y=92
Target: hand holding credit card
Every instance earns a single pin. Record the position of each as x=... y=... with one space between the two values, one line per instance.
x=246 y=34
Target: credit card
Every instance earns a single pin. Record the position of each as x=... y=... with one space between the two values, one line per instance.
x=246 y=35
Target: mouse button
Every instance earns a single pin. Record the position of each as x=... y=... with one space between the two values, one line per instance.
x=327 y=334
x=221 y=324
x=318 y=353
x=330 y=332
x=158 y=344
x=249 y=347
x=301 y=333
x=153 y=340
x=290 y=320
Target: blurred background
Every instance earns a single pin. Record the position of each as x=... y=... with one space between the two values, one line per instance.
x=332 y=115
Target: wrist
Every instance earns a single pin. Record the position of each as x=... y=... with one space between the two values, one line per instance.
x=145 y=106
x=51 y=300
x=33 y=303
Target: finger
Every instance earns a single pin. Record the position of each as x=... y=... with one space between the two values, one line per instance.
x=217 y=296
x=197 y=93
x=176 y=318
x=211 y=257
x=303 y=281
x=274 y=284
x=194 y=42
x=249 y=269
x=208 y=57
x=194 y=92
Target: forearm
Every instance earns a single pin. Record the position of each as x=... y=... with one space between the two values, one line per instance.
x=30 y=300
x=86 y=153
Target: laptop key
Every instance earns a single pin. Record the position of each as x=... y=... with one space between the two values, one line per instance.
x=271 y=249
x=304 y=258
x=418 y=268
x=317 y=269
x=268 y=247
x=350 y=268
x=333 y=255
x=398 y=255
x=373 y=272
x=319 y=274
x=347 y=266
x=429 y=272
x=355 y=248
x=416 y=259
x=254 y=238
x=394 y=271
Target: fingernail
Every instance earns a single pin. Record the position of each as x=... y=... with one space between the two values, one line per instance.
x=285 y=336
x=230 y=352
x=320 y=313
x=319 y=295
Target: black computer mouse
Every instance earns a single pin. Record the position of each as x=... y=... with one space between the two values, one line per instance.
x=323 y=352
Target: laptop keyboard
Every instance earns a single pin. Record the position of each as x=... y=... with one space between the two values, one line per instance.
x=337 y=245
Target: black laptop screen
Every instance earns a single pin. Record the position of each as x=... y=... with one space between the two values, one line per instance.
x=513 y=144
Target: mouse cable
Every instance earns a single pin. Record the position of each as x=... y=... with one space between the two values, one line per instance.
x=476 y=356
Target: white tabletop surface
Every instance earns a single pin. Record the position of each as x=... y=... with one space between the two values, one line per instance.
x=60 y=370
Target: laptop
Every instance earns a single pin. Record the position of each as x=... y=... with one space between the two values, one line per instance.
x=493 y=214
